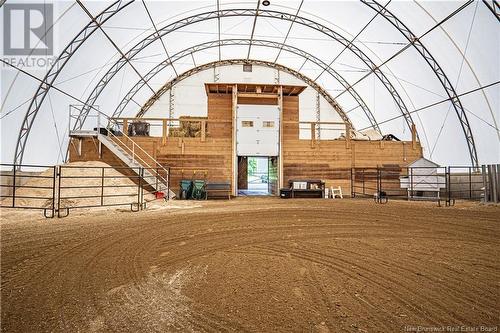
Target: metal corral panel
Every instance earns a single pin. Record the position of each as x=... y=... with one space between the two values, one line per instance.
x=423 y=183
x=257 y=130
x=424 y=175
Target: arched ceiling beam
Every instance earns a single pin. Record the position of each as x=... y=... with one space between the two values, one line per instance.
x=471 y=68
x=115 y=7
x=440 y=74
x=243 y=12
x=156 y=30
x=227 y=42
x=54 y=71
x=115 y=46
x=118 y=5
x=494 y=8
x=253 y=29
x=289 y=29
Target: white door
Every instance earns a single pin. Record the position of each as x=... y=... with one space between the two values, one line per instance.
x=257 y=130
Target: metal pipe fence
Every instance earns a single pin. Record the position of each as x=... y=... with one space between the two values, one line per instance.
x=419 y=183
x=58 y=189
x=29 y=187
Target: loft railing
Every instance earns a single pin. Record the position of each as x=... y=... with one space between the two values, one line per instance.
x=197 y=127
x=194 y=127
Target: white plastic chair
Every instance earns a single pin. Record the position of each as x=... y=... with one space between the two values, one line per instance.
x=336 y=192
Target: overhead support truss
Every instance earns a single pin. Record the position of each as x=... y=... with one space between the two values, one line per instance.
x=55 y=70
x=113 y=43
x=167 y=87
x=209 y=16
x=440 y=74
x=494 y=7
x=244 y=12
x=117 y=6
x=262 y=43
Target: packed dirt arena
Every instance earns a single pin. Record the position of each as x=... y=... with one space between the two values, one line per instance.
x=252 y=265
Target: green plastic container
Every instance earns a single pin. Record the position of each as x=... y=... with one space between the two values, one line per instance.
x=186 y=189
x=199 y=190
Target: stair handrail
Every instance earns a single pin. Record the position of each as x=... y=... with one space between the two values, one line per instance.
x=134 y=155
x=144 y=163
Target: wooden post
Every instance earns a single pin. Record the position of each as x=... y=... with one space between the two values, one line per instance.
x=485 y=182
x=353 y=155
x=404 y=151
x=497 y=166
x=413 y=136
x=164 y=132
x=203 y=130
x=125 y=131
x=494 y=183
x=313 y=134
x=280 y=144
x=347 y=136
x=490 y=183
x=125 y=126
x=234 y=162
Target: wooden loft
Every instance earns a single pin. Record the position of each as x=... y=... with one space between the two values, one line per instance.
x=253 y=89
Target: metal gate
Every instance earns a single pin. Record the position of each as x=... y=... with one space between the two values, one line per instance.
x=58 y=189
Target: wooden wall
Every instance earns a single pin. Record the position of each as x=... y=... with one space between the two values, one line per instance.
x=90 y=152
x=324 y=159
x=219 y=111
x=191 y=158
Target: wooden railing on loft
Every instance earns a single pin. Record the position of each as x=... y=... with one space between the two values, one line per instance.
x=184 y=127
x=317 y=127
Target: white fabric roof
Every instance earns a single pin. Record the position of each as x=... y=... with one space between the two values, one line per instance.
x=462 y=37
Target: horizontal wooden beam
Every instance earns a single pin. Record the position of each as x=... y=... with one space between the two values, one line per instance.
x=257 y=95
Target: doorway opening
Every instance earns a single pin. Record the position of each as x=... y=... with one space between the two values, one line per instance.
x=253 y=175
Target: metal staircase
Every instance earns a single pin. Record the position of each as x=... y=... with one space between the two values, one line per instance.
x=123 y=147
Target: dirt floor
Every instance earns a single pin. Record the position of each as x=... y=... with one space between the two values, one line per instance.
x=253 y=264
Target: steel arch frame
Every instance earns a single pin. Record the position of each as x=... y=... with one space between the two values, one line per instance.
x=262 y=43
x=111 y=10
x=494 y=8
x=54 y=71
x=117 y=6
x=242 y=12
x=229 y=62
x=441 y=75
